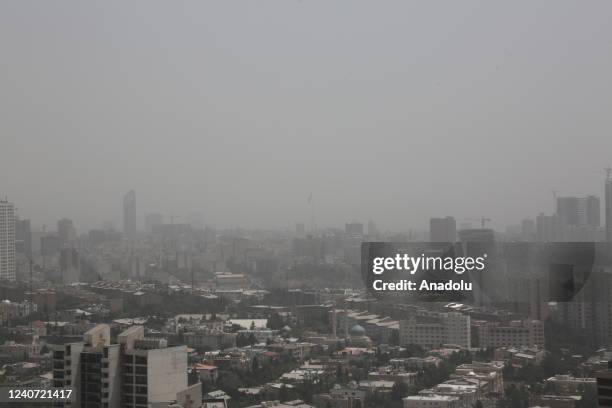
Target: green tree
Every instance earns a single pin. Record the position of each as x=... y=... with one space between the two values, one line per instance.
x=399 y=390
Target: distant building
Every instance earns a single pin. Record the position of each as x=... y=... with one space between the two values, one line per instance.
x=14 y=310
x=548 y=228
x=482 y=235
x=604 y=387
x=49 y=245
x=442 y=229
x=23 y=237
x=346 y=397
x=353 y=228
x=608 y=203
x=66 y=231
x=136 y=372
x=70 y=266
x=516 y=333
x=433 y=331
x=431 y=401
x=152 y=221
x=153 y=375
x=129 y=215
x=528 y=230
x=7 y=241
x=579 y=211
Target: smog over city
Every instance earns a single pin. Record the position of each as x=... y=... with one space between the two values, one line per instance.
x=306 y=203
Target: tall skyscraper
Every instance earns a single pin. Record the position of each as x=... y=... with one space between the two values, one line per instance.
x=66 y=231
x=129 y=215
x=579 y=211
x=23 y=237
x=548 y=228
x=442 y=229
x=70 y=265
x=608 y=200
x=7 y=241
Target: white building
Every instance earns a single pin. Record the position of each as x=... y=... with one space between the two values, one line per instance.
x=431 y=401
x=7 y=241
x=153 y=376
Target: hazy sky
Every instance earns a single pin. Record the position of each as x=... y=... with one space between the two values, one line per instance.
x=389 y=110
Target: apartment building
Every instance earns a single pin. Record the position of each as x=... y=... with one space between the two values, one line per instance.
x=435 y=330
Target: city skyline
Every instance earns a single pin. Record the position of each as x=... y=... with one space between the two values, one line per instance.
x=221 y=115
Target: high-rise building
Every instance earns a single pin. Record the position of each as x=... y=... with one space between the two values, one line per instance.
x=579 y=211
x=152 y=221
x=528 y=230
x=7 y=240
x=70 y=266
x=49 y=245
x=23 y=237
x=152 y=372
x=66 y=366
x=608 y=203
x=548 y=228
x=442 y=229
x=129 y=215
x=436 y=329
x=604 y=387
x=353 y=228
x=66 y=231
x=134 y=372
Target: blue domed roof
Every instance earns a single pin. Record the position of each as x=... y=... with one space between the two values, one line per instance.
x=357 y=330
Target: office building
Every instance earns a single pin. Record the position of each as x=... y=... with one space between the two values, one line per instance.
x=100 y=383
x=129 y=215
x=66 y=366
x=431 y=401
x=353 y=228
x=70 y=266
x=153 y=373
x=66 y=231
x=516 y=333
x=548 y=228
x=49 y=245
x=23 y=237
x=442 y=229
x=528 y=230
x=436 y=329
x=579 y=211
x=608 y=203
x=604 y=387
x=7 y=241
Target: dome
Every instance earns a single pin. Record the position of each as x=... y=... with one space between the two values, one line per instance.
x=357 y=331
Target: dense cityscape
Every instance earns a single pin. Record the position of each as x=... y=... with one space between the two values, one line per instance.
x=177 y=314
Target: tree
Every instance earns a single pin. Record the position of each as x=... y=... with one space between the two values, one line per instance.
x=399 y=390
x=275 y=322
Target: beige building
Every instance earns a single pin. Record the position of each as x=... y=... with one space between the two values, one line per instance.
x=431 y=401
x=435 y=330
